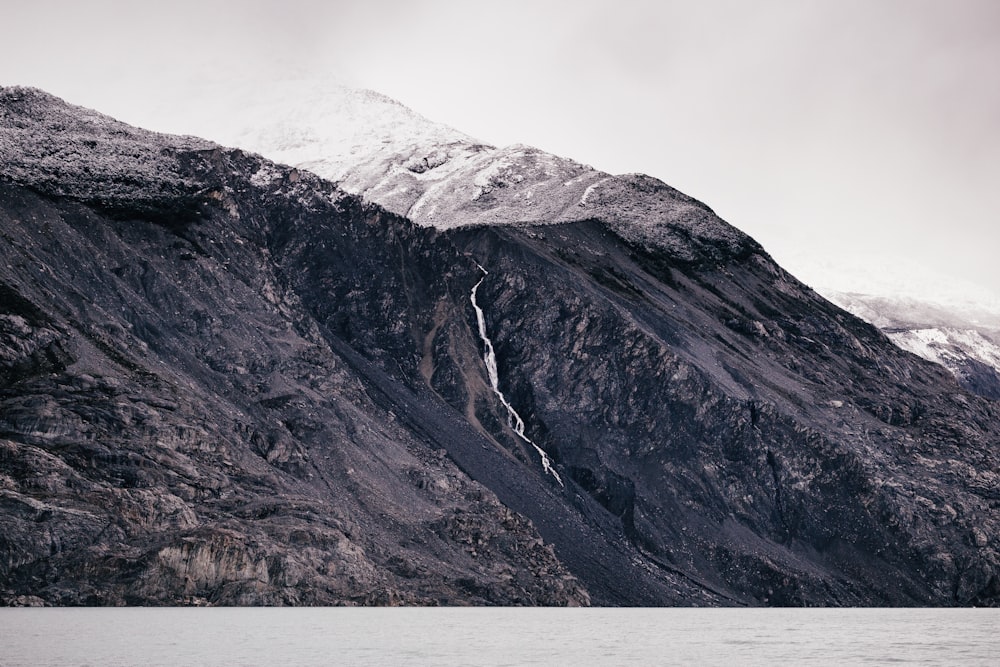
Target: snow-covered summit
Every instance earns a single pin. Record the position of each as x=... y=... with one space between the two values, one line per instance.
x=437 y=176
x=331 y=127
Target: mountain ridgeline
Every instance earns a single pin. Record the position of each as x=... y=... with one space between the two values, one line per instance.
x=226 y=381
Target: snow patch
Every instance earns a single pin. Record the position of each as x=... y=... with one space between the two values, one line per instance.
x=264 y=176
x=947 y=346
x=589 y=190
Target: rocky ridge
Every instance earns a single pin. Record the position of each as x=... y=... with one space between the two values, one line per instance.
x=438 y=177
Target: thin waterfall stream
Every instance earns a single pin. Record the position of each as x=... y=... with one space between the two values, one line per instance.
x=489 y=357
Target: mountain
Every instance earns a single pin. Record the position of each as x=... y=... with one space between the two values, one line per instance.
x=434 y=175
x=177 y=426
x=228 y=381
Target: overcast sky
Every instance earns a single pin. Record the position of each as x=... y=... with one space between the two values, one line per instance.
x=836 y=132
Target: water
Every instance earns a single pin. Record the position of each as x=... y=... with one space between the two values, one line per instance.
x=441 y=637
x=490 y=359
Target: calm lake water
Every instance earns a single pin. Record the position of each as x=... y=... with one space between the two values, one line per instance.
x=138 y=636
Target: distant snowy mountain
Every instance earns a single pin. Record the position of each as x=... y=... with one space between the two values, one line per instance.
x=969 y=354
x=964 y=337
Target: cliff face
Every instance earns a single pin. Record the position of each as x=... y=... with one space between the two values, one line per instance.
x=227 y=381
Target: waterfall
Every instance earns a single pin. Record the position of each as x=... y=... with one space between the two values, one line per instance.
x=490 y=358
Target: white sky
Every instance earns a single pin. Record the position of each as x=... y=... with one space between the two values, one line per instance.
x=836 y=132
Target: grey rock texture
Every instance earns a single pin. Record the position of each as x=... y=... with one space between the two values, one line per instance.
x=224 y=381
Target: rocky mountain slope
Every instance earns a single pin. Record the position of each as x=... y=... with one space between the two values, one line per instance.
x=228 y=381
x=178 y=426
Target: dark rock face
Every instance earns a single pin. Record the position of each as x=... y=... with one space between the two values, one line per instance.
x=225 y=381
x=740 y=426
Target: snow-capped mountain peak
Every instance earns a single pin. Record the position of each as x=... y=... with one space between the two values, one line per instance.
x=322 y=125
x=437 y=176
